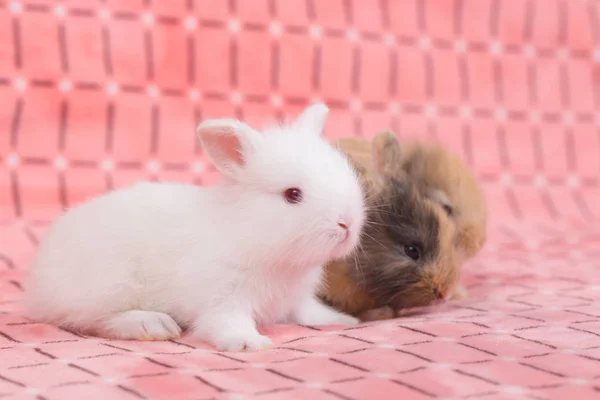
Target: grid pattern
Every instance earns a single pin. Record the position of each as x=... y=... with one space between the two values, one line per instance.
x=95 y=94
x=530 y=330
x=114 y=91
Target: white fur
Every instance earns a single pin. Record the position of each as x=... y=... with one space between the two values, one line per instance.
x=140 y=262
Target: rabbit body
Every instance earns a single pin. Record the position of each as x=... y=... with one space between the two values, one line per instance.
x=146 y=261
x=419 y=194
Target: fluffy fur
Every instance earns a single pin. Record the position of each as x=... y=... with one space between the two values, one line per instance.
x=439 y=175
x=443 y=177
x=146 y=261
x=422 y=194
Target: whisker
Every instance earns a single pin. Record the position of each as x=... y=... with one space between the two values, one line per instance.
x=373 y=239
x=378 y=206
x=369 y=223
x=385 y=212
x=358 y=267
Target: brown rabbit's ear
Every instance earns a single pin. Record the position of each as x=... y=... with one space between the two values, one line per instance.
x=440 y=197
x=386 y=153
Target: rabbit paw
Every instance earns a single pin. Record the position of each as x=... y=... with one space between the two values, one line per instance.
x=343 y=319
x=252 y=343
x=142 y=325
x=377 y=314
x=312 y=312
x=459 y=293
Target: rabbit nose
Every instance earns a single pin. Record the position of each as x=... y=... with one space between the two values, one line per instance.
x=342 y=224
x=438 y=294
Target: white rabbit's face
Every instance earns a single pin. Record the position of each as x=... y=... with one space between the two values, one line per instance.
x=301 y=192
x=308 y=193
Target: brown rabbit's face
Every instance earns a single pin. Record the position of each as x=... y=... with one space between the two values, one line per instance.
x=444 y=178
x=407 y=257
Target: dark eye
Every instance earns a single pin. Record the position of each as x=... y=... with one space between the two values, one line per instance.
x=293 y=195
x=448 y=209
x=413 y=252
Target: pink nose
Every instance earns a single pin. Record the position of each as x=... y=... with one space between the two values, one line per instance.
x=343 y=225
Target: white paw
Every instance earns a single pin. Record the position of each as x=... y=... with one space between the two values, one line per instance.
x=251 y=343
x=344 y=319
x=333 y=318
x=143 y=325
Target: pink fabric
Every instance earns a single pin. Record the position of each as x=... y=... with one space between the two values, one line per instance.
x=97 y=94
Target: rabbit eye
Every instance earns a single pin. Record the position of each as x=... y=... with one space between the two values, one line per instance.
x=293 y=195
x=413 y=252
x=448 y=209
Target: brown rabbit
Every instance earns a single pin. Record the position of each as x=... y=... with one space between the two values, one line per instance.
x=441 y=176
x=438 y=175
x=407 y=256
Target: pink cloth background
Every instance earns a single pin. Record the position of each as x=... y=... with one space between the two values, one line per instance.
x=97 y=94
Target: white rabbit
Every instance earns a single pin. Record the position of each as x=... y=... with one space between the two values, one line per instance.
x=141 y=262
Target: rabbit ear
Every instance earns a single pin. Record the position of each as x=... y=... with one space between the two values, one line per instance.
x=387 y=153
x=440 y=197
x=313 y=119
x=227 y=142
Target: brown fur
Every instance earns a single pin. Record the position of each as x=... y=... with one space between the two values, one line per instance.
x=435 y=169
x=381 y=273
x=438 y=173
x=344 y=293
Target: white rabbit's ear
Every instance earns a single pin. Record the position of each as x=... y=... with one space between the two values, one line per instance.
x=313 y=119
x=227 y=142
